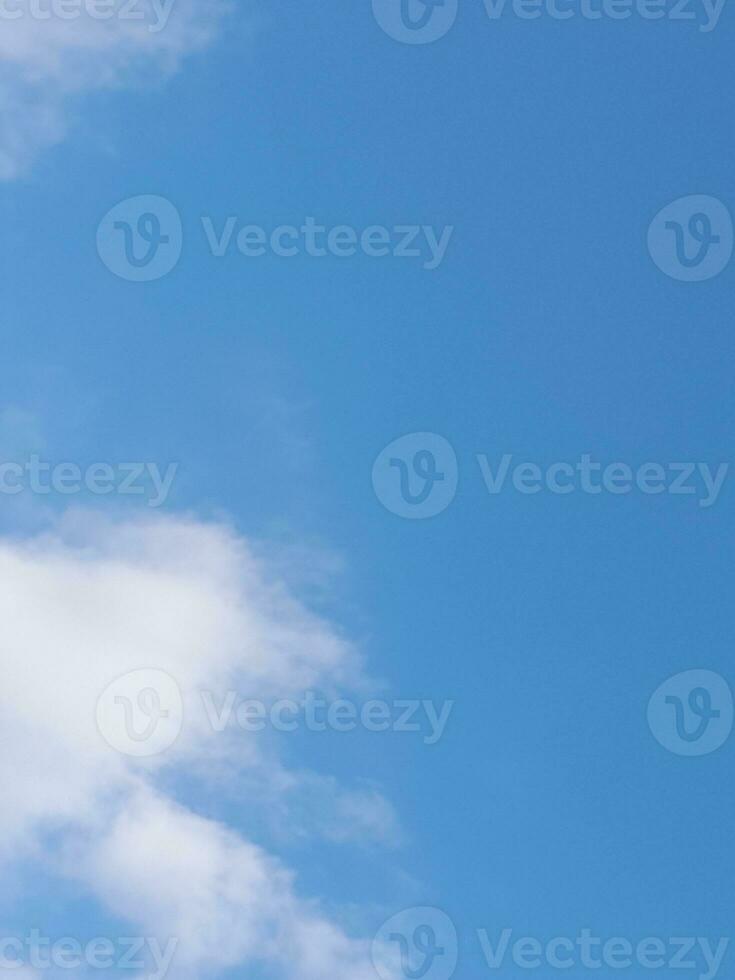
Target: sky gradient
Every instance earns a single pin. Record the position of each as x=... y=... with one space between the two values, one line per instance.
x=546 y=332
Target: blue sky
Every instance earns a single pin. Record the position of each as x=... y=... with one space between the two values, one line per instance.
x=546 y=332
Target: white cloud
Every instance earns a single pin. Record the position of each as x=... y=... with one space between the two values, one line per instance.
x=223 y=899
x=45 y=64
x=94 y=600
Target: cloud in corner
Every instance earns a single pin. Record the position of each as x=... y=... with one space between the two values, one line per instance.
x=49 y=59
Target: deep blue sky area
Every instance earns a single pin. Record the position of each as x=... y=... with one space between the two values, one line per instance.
x=547 y=332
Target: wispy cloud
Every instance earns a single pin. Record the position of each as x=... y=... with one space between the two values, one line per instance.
x=95 y=599
x=46 y=62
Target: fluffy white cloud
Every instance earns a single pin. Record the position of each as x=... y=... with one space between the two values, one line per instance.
x=223 y=899
x=94 y=600
x=45 y=63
